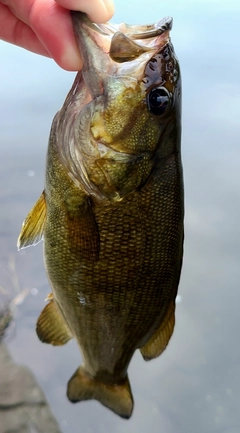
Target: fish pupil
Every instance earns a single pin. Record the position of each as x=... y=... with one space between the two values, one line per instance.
x=158 y=100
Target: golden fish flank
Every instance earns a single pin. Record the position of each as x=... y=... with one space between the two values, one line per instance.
x=112 y=209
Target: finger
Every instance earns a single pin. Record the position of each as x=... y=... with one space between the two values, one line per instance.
x=16 y=32
x=52 y=26
x=97 y=10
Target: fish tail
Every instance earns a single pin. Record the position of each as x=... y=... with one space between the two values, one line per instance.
x=117 y=397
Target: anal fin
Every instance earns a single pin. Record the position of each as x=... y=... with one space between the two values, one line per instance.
x=33 y=225
x=159 y=341
x=51 y=327
x=117 y=397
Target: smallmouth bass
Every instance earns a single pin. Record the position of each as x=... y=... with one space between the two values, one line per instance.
x=111 y=213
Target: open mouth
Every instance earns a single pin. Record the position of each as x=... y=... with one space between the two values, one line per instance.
x=114 y=49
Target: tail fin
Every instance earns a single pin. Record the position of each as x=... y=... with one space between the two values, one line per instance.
x=117 y=397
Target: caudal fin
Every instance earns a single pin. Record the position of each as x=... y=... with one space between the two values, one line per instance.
x=117 y=397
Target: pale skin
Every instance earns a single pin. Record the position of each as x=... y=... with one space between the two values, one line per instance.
x=45 y=26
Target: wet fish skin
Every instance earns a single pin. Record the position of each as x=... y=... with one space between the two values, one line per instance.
x=112 y=209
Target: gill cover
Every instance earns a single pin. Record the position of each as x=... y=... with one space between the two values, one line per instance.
x=109 y=118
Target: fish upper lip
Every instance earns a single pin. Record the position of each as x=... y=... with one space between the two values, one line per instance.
x=154 y=30
x=132 y=31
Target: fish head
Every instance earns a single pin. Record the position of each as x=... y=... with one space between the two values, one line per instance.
x=123 y=111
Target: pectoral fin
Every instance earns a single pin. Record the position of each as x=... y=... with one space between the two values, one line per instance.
x=51 y=327
x=117 y=397
x=159 y=341
x=33 y=225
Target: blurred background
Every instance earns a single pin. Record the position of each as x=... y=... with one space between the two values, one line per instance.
x=195 y=385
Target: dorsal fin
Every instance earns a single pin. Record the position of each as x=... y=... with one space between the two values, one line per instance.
x=159 y=341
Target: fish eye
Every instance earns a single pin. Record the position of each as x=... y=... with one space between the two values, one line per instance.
x=158 y=100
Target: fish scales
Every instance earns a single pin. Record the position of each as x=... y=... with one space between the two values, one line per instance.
x=111 y=213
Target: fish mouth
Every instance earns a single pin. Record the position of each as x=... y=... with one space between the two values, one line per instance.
x=115 y=59
x=115 y=49
x=131 y=31
x=150 y=30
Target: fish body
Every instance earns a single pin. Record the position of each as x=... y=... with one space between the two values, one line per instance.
x=111 y=213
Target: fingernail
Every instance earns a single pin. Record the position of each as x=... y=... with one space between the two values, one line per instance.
x=71 y=60
x=109 y=6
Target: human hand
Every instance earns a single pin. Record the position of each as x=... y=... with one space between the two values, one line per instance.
x=45 y=26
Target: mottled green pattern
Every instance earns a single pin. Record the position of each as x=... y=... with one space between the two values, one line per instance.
x=112 y=209
x=114 y=268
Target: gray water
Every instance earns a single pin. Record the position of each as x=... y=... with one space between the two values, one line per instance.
x=195 y=385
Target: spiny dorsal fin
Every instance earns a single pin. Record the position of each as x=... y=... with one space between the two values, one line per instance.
x=117 y=397
x=51 y=327
x=33 y=225
x=159 y=341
